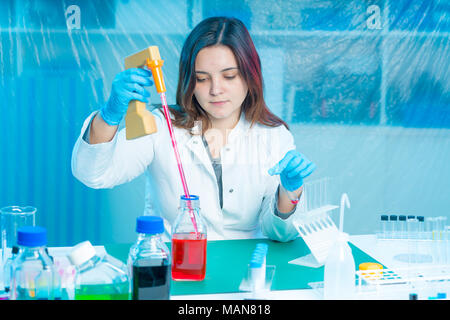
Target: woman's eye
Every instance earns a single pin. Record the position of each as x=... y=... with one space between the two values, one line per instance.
x=230 y=77
x=201 y=79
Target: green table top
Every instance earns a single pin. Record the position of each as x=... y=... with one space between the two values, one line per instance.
x=227 y=262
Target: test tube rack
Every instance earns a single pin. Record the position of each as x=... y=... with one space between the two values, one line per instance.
x=402 y=281
x=314 y=224
x=389 y=284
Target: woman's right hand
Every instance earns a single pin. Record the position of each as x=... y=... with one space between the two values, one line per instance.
x=127 y=85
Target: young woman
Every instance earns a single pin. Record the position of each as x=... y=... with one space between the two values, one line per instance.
x=238 y=157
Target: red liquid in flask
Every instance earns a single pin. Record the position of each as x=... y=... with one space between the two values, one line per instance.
x=188 y=256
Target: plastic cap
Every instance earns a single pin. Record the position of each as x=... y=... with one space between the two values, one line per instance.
x=393 y=217
x=411 y=217
x=256 y=261
x=402 y=218
x=263 y=246
x=149 y=225
x=31 y=236
x=384 y=217
x=370 y=266
x=81 y=253
x=420 y=218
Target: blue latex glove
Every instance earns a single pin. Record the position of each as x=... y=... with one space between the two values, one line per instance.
x=293 y=168
x=127 y=85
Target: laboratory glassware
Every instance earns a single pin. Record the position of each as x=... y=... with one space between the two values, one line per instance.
x=98 y=277
x=393 y=222
x=149 y=262
x=383 y=227
x=12 y=218
x=402 y=227
x=34 y=276
x=188 y=244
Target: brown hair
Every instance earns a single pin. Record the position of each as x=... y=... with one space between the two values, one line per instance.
x=232 y=33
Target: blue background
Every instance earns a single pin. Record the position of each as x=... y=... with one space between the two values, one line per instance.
x=364 y=86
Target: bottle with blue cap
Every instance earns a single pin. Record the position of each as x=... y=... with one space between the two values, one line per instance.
x=189 y=241
x=98 y=277
x=149 y=261
x=34 y=276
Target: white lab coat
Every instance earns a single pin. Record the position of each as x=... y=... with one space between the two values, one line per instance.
x=248 y=190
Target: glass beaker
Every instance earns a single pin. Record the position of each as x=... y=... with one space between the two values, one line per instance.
x=13 y=218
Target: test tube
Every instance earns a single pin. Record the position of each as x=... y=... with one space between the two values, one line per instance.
x=257 y=276
x=383 y=228
x=393 y=224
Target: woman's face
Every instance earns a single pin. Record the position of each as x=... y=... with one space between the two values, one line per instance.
x=219 y=88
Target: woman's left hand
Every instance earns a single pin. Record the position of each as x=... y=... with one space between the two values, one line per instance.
x=293 y=168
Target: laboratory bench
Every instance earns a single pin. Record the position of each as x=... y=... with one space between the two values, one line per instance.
x=227 y=268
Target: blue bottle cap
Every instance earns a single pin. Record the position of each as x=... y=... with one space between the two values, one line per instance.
x=31 y=236
x=420 y=218
x=384 y=217
x=411 y=217
x=393 y=217
x=149 y=225
x=402 y=218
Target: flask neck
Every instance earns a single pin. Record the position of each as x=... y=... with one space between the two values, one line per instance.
x=149 y=238
x=150 y=244
x=189 y=204
x=32 y=251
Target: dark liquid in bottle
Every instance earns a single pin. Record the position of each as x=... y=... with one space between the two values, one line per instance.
x=151 y=282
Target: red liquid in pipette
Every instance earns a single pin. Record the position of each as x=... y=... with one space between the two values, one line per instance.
x=177 y=156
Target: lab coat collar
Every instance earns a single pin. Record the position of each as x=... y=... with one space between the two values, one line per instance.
x=195 y=144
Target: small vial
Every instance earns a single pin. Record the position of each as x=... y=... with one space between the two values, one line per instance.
x=393 y=220
x=428 y=237
x=402 y=227
x=421 y=248
x=383 y=229
x=412 y=227
x=421 y=227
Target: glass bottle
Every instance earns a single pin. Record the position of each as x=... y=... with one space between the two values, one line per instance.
x=149 y=261
x=189 y=240
x=98 y=277
x=33 y=275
